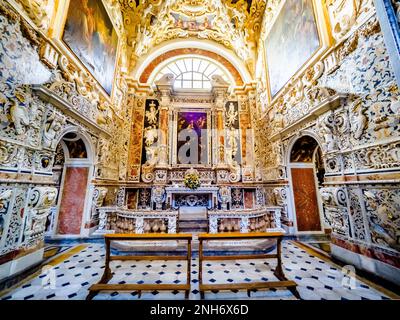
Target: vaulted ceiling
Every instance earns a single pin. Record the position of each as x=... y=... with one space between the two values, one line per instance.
x=235 y=24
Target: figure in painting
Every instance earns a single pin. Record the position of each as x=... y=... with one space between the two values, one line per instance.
x=193 y=24
x=88 y=24
x=192 y=130
x=201 y=122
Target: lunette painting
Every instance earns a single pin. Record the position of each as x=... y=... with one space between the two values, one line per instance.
x=291 y=42
x=91 y=36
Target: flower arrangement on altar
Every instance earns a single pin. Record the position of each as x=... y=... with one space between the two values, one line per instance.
x=192 y=180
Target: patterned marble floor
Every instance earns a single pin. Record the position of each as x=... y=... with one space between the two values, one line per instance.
x=68 y=277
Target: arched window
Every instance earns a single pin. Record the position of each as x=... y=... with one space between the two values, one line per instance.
x=192 y=73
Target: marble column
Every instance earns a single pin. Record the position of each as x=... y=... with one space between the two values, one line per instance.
x=220 y=136
x=137 y=104
x=163 y=151
x=220 y=91
x=164 y=87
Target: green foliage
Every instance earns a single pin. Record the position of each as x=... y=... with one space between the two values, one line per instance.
x=192 y=181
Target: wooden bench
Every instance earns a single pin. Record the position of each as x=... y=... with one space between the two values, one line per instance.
x=283 y=281
x=103 y=284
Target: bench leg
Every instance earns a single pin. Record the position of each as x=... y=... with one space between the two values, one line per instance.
x=201 y=267
x=189 y=265
x=107 y=275
x=279 y=274
x=91 y=295
x=294 y=291
x=278 y=270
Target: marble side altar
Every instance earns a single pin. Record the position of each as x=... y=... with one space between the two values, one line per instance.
x=249 y=220
x=120 y=220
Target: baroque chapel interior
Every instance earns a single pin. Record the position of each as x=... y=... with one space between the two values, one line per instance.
x=199 y=149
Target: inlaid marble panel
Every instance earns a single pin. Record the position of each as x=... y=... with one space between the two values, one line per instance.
x=73 y=200
x=248 y=199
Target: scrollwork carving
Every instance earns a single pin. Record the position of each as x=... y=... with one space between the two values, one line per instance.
x=99 y=195
x=40 y=203
x=335 y=209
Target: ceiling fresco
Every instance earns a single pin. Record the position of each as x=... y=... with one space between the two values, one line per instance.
x=234 y=24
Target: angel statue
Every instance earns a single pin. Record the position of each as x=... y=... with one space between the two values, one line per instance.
x=150 y=135
x=151 y=114
x=231 y=115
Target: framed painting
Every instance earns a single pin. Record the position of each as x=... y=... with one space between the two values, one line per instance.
x=91 y=36
x=292 y=41
x=192 y=145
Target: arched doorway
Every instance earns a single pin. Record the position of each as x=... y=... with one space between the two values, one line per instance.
x=72 y=168
x=306 y=173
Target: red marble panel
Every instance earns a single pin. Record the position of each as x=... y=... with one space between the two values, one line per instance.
x=135 y=144
x=391 y=258
x=305 y=199
x=248 y=199
x=73 y=200
x=244 y=125
x=132 y=197
x=9 y=256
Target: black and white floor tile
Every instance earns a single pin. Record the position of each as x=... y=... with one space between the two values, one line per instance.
x=71 y=278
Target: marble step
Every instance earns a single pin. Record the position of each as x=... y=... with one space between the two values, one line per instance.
x=193 y=230
x=193 y=226
x=192 y=216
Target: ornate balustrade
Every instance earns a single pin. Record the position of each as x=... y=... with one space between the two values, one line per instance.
x=251 y=220
x=119 y=220
x=175 y=175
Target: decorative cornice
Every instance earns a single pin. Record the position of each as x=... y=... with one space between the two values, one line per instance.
x=47 y=95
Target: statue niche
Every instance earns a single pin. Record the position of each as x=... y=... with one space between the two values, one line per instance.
x=150 y=150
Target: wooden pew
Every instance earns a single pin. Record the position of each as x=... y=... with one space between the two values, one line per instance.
x=283 y=281
x=103 y=284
